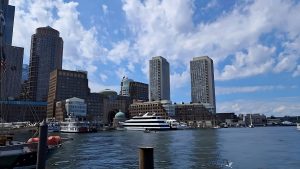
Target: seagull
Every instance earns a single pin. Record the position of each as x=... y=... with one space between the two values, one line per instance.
x=229 y=164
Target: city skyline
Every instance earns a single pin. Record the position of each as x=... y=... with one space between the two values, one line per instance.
x=256 y=58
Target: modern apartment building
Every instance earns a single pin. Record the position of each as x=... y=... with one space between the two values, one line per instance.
x=65 y=84
x=11 y=72
x=45 y=56
x=11 y=56
x=9 y=14
x=202 y=81
x=159 y=78
x=134 y=90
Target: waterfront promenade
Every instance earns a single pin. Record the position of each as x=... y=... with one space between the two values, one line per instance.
x=246 y=148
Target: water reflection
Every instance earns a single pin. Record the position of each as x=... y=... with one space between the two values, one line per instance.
x=246 y=148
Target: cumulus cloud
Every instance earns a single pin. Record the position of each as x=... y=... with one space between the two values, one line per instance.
x=179 y=80
x=248 y=89
x=297 y=71
x=97 y=87
x=121 y=72
x=103 y=77
x=160 y=29
x=81 y=48
x=278 y=106
x=119 y=52
x=104 y=9
x=167 y=28
x=256 y=61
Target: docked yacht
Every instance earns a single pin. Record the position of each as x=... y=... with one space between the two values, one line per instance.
x=175 y=125
x=147 y=122
x=74 y=125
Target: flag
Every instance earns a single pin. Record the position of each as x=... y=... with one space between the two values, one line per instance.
x=3 y=60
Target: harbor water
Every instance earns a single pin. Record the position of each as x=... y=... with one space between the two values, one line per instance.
x=244 y=148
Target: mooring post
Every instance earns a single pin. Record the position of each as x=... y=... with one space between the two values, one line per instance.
x=42 y=146
x=146 y=158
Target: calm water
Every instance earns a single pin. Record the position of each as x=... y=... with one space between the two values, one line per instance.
x=261 y=148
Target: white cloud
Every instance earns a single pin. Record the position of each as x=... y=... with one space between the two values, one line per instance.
x=105 y=9
x=103 y=77
x=211 y=4
x=119 y=52
x=130 y=66
x=179 y=80
x=81 y=48
x=248 y=89
x=97 y=87
x=160 y=29
x=121 y=72
x=288 y=59
x=258 y=60
x=297 y=71
x=278 y=106
x=166 y=28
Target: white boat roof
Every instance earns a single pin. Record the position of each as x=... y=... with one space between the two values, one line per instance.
x=146 y=115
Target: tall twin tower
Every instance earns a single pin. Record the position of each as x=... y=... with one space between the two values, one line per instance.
x=202 y=80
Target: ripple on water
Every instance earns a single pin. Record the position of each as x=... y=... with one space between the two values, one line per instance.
x=214 y=149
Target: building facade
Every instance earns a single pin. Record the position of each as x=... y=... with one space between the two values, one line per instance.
x=11 y=72
x=76 y=107
x=95 y=107
x=135 y=90
x=256 y=119
x=73 y=106
x=45 y=56
x=141 y=108
x=159 y=87
x=112 y=104
x=202 y=81
x=11 y=56
x=195 y=114
x=66 y=84
x=19 y=111
x=9 y=15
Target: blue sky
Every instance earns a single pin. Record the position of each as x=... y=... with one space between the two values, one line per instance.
x=255 y=45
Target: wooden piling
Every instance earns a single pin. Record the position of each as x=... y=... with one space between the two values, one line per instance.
x=42 y=146
x=146 y=158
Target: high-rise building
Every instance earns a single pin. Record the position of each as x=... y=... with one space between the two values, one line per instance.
x=202 y=81
x=11 y=57
x=9 y=14
x=134 y=90
x=11 y=73
x=159 y=70
x=45 y=56
x=65 y=84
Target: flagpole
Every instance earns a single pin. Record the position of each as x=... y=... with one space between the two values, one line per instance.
x=1 y=54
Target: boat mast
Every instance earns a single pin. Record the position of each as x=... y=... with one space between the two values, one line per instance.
x=2 y=60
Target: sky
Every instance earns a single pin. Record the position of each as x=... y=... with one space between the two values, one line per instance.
x=255 y=45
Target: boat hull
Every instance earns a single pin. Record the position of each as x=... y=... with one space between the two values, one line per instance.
x=148 y=128
x=26 y=159
x=79 y=130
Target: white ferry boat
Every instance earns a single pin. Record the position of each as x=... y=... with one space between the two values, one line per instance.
x=74 y=125
x=147 y=122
